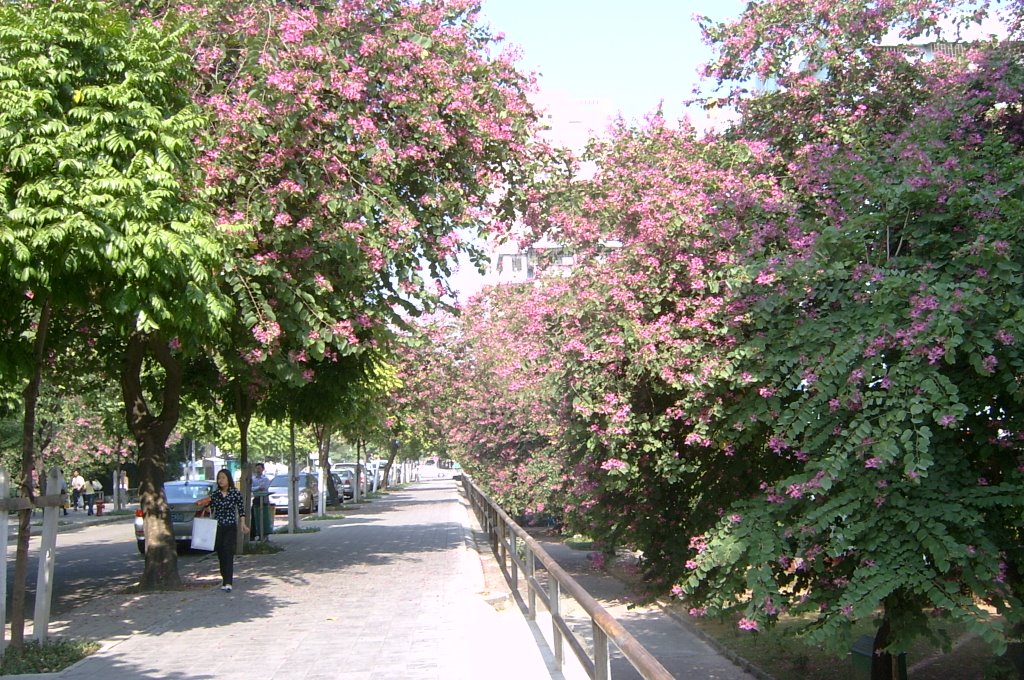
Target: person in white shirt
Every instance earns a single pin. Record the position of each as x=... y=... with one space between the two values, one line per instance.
x=77 y=486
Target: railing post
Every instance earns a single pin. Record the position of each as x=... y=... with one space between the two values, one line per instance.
x=531 y=594
x=555 y=607
x=515 y=565
x=602 y=658
x=502 y=549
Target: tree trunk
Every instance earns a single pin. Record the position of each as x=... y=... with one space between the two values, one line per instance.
x=243 y=416
x=151 y=432
x=392 y=454
x=323 y=442
x=882 y=663
x=293 y=510
x=360 y=477
x=31 y=397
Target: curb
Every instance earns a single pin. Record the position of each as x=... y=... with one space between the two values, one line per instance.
x=497 y=592
x=36 y=528
x=713 y=643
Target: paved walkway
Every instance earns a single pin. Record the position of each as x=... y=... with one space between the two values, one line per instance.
x=395 y=590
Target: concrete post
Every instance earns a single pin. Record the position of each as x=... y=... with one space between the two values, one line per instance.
x=47 y=557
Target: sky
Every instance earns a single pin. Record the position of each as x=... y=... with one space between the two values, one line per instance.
x=626 y=56
x=599 y=58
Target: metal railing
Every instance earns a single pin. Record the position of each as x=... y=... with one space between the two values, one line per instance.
x=508 y=540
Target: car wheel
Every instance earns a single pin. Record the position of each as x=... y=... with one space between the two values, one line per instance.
x=142 y=546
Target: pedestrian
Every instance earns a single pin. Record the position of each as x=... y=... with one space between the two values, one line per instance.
x=261 y=486
x=88 y=496
x=64 y=492
x=97 y=490
x=77 y=486
x=229 y=511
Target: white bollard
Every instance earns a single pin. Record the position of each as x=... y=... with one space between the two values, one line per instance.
x=47 y=557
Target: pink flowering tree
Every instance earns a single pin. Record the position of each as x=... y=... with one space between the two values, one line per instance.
x=354 y=146
x=473 y=389
x=884 y=354
x=791 y=351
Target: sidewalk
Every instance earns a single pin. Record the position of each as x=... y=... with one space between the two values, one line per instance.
x=392 y=591
x=396 y=590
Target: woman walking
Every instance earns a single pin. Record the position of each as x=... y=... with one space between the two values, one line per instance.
x=229 y=511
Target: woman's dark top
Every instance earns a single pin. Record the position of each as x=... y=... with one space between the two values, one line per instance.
x=223 y=507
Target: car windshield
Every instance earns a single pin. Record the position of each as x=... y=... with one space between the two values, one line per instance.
x=281 y=481
x=183 y=493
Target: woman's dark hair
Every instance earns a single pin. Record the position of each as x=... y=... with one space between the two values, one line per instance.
x=231 y=480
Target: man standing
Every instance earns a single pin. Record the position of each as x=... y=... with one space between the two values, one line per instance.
x=77 y=484
x=260 y=489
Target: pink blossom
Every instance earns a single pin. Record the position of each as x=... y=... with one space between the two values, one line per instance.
x=613 y=464
x=748 y=624
x=989 y=363
x=1005 y=337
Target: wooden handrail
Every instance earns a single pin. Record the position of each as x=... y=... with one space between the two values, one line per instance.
x=597 y=668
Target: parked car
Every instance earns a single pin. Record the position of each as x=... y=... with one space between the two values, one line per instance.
x=308 y=490
x=345 y=482
x=351 y=467
x=181 y=497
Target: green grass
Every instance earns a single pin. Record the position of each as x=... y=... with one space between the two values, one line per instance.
x=580 y=542
x=262 y=548
x=298 y=530
x=317 y=518
x=50 y=657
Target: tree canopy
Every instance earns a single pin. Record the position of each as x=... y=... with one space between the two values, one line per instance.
x=786 y=365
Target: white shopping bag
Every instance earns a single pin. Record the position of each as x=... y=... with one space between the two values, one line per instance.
x=204 y=533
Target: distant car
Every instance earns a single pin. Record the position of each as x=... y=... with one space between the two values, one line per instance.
x=344 y=481
x=181 y=497
x=351 y=467
x=308 y=490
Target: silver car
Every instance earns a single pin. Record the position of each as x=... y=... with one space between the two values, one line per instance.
x=308 y=488
x=181 y=497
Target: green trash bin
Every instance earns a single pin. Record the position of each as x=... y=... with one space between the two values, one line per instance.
x=861 y=654
x=264 y=515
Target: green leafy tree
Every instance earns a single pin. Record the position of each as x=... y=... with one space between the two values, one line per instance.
x=100 y=212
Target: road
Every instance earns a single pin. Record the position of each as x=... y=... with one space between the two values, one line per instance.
x=90 y=560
